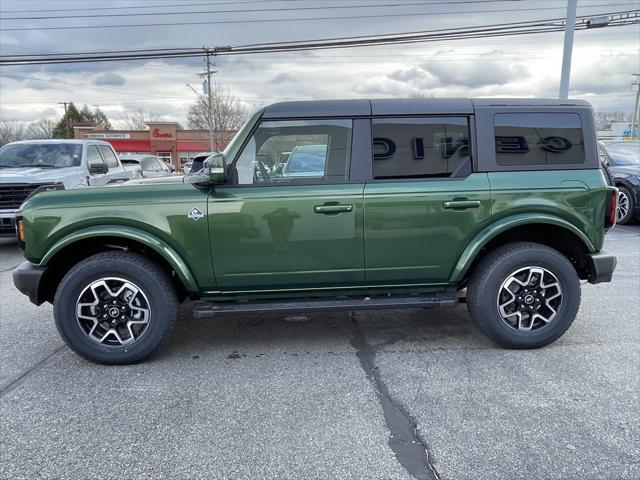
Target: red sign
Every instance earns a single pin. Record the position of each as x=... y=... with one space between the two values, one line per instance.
x=156 y=133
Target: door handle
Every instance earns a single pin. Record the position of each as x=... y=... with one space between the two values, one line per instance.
x=461 y=204
x=328 y=209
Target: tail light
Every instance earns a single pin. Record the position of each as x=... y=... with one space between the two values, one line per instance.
x=612 y=206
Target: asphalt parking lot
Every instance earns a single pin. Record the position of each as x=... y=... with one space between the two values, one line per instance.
x=383 y=395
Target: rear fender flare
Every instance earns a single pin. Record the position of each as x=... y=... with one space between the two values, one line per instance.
x=485 y=236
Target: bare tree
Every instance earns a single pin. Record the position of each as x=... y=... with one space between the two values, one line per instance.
x=11 y=132
x=40 y=129
x=227 y=112
x=137 y=120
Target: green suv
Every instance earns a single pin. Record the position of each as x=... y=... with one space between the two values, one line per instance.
x=338 y=205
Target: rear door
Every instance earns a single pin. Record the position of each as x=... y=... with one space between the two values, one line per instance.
x=424 y=203
x=297 y=227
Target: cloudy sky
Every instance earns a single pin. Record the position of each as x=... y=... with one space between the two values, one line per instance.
x=603 y=59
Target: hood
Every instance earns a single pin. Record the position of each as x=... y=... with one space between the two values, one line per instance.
x=172 y=179
x=625 y=170
x=70 y=176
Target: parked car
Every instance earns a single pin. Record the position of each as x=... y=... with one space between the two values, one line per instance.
x=622 y=159
x=304 y=160
x=419 y=203
x=197 y=163
x=44 y=164
x=149 y=166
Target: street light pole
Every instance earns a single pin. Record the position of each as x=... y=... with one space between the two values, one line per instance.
x=569 y=28
x=209 y=73
x=635 y=131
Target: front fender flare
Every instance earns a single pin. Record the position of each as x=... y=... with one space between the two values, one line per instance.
x=485 y=236
x=159 y=246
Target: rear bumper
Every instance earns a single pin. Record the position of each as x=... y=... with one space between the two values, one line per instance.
x=601 y=267
x=27 y=278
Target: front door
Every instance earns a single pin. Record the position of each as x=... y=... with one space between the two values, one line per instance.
x=288 y=218
x=424 y=203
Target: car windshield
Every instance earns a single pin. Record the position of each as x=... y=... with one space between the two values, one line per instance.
x=624 y=153
x=307 y=158
x=150 y=163
x=44 y=155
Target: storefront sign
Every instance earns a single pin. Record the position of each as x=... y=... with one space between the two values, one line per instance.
x=156 y=133
x=107 y=135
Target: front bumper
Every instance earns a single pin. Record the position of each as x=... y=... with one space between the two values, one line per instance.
x=8 y=223
x=27 y=278
x=601 y=267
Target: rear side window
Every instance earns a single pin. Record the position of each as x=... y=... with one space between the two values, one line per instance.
x=108 y=156
x=419 y=147
x=538 y=139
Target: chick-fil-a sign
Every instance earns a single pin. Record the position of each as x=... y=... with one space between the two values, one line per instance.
x=156 y=133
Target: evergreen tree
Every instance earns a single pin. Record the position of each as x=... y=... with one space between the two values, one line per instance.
x=96 y=116
x=101 y=120
x=64 y=128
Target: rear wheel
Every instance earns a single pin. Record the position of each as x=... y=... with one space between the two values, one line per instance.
x=624 y=210
x=115 y=308
x=524 y=295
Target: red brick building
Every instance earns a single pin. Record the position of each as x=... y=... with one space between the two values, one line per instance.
x=167 y=140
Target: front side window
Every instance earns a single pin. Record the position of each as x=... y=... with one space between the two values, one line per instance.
x=298 y=151
x=93 y=156
x=524 y=139
x=109 y=156
x=419 y=147
x=44 y=155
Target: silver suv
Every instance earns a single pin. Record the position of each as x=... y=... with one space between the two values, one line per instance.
x=49 y=164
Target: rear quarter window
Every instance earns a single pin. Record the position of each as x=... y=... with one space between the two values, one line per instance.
x=523 y=139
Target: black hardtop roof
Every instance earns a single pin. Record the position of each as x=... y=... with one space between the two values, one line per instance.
x=403 y=106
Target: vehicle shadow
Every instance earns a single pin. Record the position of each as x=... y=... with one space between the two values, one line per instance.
x=242 y=336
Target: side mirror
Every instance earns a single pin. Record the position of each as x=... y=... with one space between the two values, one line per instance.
x=215 y=168
x=98 y=168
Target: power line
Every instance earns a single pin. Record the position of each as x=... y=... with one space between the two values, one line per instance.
x=234 y=2
x=263 y=10
x=496 y=30
x=301 y=19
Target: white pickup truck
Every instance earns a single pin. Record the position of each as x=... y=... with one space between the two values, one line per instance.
x=48 y=164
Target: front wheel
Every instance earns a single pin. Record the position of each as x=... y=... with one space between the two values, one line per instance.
x=524 y=295
x=115 y=308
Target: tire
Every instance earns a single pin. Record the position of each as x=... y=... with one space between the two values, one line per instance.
x=147 y=301
x=626 y=205
x=506 y=268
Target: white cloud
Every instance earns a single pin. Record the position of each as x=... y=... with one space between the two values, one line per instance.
x=515 y=66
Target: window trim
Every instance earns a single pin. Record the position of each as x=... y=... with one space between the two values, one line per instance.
x=472 y=149
x=231 y=180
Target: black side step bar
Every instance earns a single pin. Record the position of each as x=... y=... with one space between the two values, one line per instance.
x=212 y=309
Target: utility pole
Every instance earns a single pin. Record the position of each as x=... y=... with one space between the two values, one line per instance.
x=208 y=74
x=636 y=112
x=65 y=116
x=569 y=28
